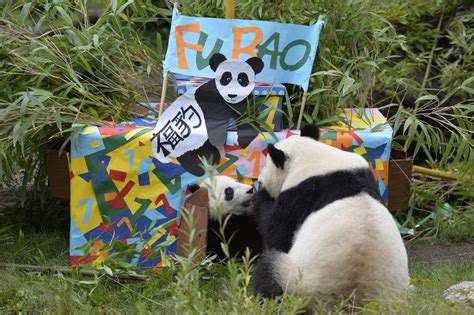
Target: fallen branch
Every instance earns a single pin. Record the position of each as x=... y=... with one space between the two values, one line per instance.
x=68 y=270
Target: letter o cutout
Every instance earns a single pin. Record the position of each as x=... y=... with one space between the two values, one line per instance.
x=301 y=62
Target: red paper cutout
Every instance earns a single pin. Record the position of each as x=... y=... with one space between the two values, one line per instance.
x=117 y=175
x=117 y=203
x=163 y=199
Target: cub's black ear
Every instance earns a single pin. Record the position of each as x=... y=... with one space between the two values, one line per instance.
x=256 y=64
x=216 y=60
x=193 y=187
x=311 y=131
x=278 y=156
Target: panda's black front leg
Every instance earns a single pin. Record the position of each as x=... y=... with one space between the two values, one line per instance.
x=262 y=201
x=275 y=221
x=264 y=206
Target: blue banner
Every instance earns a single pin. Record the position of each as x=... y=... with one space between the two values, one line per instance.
x=287 y=50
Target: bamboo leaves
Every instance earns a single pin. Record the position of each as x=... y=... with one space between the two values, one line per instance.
x=57 y=67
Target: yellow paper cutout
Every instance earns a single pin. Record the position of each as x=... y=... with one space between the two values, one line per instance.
x=94 y=144
x=360 y=150
x=379 y=165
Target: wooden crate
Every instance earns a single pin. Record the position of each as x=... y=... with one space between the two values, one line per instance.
x=196 y=208
x=399 y=183
x=58 y=174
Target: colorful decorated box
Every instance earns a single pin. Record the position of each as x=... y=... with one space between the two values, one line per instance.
x=269 y=97
x=123 y=200
x=122 y=196
x=365 y=132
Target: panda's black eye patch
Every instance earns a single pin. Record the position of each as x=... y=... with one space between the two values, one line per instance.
x=226 y=78
x=229 y=193
x=243 y=79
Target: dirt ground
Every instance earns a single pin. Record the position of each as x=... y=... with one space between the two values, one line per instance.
x=433 y=253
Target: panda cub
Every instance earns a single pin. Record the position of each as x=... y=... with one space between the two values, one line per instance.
x=330 y=235
x=229 y=197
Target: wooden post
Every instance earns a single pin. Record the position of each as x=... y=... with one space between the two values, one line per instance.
x=229 y=9
x=165 y=78
x=195 y=212
x=399 y=183
x=303 y=103
x=163 y=94
x=58 y=175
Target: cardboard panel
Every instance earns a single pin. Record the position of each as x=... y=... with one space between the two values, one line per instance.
x=399 y=184
x=58 y=174
x=196 y=211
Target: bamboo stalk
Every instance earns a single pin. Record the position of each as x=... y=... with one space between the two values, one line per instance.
x=165 y=78
x=163 y=94
x=68 y=270
x=300 y=117
x=434 y=173
x=430 y=59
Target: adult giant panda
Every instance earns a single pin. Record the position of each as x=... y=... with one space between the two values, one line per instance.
x=195 y=124
x=330 y=235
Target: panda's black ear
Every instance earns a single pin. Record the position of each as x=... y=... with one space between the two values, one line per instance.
x=193 y=187
x=216 y=60
x=278 y=156
x=256 y=64
x=311 y=131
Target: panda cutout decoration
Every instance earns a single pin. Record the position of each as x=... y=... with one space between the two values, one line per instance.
x=330 y=235
x=229 y=197
x=195 y=125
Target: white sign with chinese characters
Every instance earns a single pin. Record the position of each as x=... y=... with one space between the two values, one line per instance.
x=181 y=128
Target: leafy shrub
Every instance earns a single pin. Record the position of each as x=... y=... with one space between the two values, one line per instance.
x=58 y=67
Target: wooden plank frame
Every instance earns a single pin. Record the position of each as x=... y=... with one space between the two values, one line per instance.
x=58 y=175
x=399 y=183
x=195 y=211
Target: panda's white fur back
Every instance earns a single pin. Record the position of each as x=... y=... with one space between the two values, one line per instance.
x=348 y=242
x=352 y=236
x=305 y=153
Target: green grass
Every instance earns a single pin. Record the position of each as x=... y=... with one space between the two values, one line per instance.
x=213 y=288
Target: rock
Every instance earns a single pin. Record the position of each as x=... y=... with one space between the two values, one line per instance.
x=460 y=293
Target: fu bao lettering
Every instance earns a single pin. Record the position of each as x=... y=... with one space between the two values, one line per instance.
x=260 y=46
